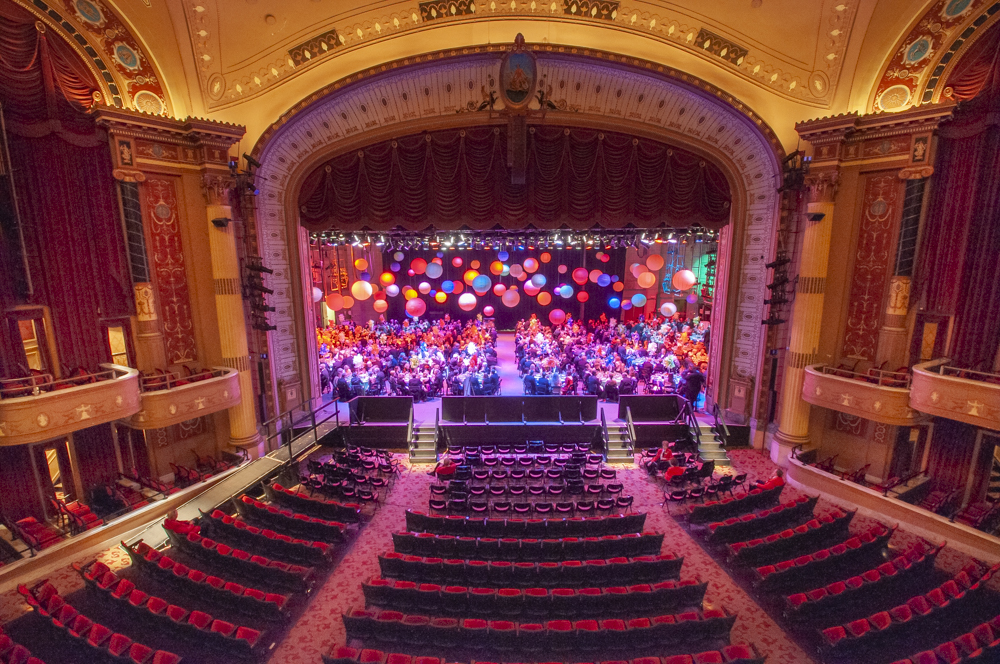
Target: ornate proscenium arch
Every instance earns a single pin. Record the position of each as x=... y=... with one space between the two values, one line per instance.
x=594 y=90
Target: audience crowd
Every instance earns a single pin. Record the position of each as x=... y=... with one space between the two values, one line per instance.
x=607 y=358
x=419 y=358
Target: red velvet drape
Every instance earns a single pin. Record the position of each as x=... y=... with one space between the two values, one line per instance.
x=455 y=178
x=959 y=273
x=972 y=72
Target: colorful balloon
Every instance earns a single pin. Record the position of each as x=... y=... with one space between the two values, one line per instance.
x=531 y=289
x=335 y=301
x=516 y=270
x=458 y=287
x=348 y=301
x=594 y=276
x=538 y=280
x=394 y=267
x=506 y=271
x=636 y=269
x=499 y=290
x=544 y=298
x=398 y=256
x=424 y=287
x=626 y=305
x=614 y=303
x=488 y=310
x=379 y=295
x=668 y=309
x=580 y=275
x=448 y=286
x=392 y=290
x=639 y=300
x=380 y=306
x=418 y=265
x=411 y=273
x=416 y=307
x=457 y=261
x=646 y=280
x=496 y=267
x=562 y=269
x=361 y=264
x=605 y=258
x=530 y=265
x=481 y=284
x=317 y=294
x=545 y=257
x=565 y=291
x=503 y=255
x=434 y=270
x=387 y=278
x=466 y=301
x=654 y=262
x=474 y=265
x=618 y=286
x=692 y=298
x=409 y=293
x=604 y=280
x=440 y=297
x=582 y=296
x=683 y=279
x=365 y=276
x=511 y=298
x=361 y=290
x=557 y=316
x=469 y=277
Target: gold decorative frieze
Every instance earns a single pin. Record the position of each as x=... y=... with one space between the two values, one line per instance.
x=858 y=397
x=162 y=408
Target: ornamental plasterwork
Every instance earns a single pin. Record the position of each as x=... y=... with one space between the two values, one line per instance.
x=917 y=69
x=889 y=405
x=813 y=85
x=389 y=101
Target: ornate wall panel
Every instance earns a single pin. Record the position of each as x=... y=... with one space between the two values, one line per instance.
x=879 y=211
x=383 y=101
x=160 y=206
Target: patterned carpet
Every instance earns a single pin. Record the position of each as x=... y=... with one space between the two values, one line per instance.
x=319 y=627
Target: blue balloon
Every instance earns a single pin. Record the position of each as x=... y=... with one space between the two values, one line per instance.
x=639 y=300
x=566 y=291
x=614 y=279
x=604 y=281
x=614 y=303
x=448 y=287
x=481 y=283
x=502 y=256
x=365 y=276
x=538 y=280
x=394 y=267
x=440 y=254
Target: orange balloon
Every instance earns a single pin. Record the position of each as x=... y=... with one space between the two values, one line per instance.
x=544 y=299
x=646 y=280
x=381 y=306
x=387 y=278
x=619 y=286
x=348 y=301
x=440 y=297
x=335 y=301
x=545 y=257
x=654 y=262
x=361 y=264
x=496 y=267
x=474 y=265
x=470 y=275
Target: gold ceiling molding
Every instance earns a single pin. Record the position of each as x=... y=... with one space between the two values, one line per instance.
x=812 y=83
x=915 y=71
x=126 y=76
x=605 y=91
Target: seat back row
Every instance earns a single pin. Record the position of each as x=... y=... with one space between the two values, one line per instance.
x=221 y=526
x=733 y=654
x=462 y=526
x=825 y=528
x=736 y=529
x=324 y=509
x=221 y=591
x=287 y=521
x=488 y=548
x=723 y=509
x=797 y=571
x=563 y=574
x=96 y=639
x=646 y=635
x=640 y=600
x=15 y=653
x=186 y=537
x=982 y=644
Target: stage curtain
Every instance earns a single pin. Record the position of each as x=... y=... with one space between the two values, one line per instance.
x=20 y=494
x=96 y=456
x=460 y=178
x=950 y=458
x=971 y=73
x=958 y=269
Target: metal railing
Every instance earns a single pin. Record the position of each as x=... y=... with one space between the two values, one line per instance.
x=879 y=377
x=12 y=388
x=172 y=379
x=720 y=424
x=968 y=374
x=299 y=426
x=604 y=434
x=630 y=428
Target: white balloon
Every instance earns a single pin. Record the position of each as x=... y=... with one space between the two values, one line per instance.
x=317 y=294
x=668 y=309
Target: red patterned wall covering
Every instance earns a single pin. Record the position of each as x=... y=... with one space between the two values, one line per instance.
x=879 y=213
x=160 y=205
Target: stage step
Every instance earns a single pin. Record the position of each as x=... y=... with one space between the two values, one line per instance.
x=423 y=444
x=712 y=447
x=619 y=446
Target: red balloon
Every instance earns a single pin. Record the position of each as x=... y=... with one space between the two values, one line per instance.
x=557 y=316
x=580 y=275
x=582 y=296
x=418 y=265
x=416 y=307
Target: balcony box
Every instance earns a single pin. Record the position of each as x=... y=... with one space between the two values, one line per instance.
x=880 y=396
x=967 y=396
x=55 y=408
x=170 y=399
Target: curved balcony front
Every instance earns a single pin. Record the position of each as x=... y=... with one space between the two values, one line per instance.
x=882 y=397
x=170 y=400
x=972 y=397
x=59 y=407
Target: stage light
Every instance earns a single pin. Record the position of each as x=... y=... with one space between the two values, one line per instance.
x=355 y=240
x=671 y=239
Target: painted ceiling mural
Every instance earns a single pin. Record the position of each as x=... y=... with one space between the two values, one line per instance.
x=806 y=67
x=917 y=69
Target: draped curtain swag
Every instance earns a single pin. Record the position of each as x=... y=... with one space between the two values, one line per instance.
x=460 y=178
x=971 y=72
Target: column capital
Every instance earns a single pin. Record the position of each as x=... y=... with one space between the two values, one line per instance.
x=822 y=185
x=215 y=187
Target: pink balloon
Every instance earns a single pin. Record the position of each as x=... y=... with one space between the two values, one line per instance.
x=580 y=275
x=563 y=269
x=418 y=265
x=531 y=289
x=416 y=307
x=557 y=316
x=487 y=310
x=530 y=264
x=594 y=276
x=499 y=290
x=683 y=279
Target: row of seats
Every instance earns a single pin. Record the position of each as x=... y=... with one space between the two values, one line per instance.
x=531 y=447
x=324 y=509
x=531 y=460
x=36 y=534
x=797 y=571
x=824 y=528
x=528 y=550
x=76 y=514
x=981 y=645
x=186 y=537
x=720 y=510
x=738 y=654
x=553 y=635
x=555 y=488
x=98 y=641
x=736 y=529
x=568 y=573
x=287 y=521
x=15 y=653
x=521 y=474
x=230 y=594
x=540 y=509
x=918 y=612
x=616 y=524
x=221 y=526
x=613 y=601
x=857 y=589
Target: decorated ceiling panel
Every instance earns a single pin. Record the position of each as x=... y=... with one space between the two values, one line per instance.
x=791 y=48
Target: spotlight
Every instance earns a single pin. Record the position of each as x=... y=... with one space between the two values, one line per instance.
x=815 y=216
x=251 y=161
x=355 y=240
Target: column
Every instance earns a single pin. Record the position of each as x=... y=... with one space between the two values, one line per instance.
x=229 y=308
x=807 y=313
x=892 y=337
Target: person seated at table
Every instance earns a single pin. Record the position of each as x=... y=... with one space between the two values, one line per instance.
x=445 y=468
x=777 y=480
x=660 y=460
x=627 y=386
x=529 y=383
x=594 y=386
x=542 y=385
x=611 y=390
x=569 y=385
x=416 y=388
x=675 y=469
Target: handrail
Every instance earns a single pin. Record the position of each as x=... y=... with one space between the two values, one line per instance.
x=720 y=422
x=170 y=380
x=692 y=421
x=965 y=373
x=286 y=436
x=882 y=378
x=12 y=388
x=630 y=425
x=604 y=432
x=409 y=426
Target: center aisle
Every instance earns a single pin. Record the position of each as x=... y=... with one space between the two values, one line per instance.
x=510 y=382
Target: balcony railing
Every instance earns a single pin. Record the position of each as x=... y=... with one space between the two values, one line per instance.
x=881 y=396
x=170 y=398
x=958 y=394
x=48 y=408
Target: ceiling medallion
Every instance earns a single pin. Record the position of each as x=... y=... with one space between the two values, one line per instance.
x=518 y=75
